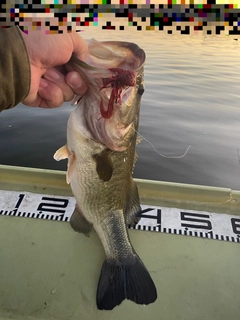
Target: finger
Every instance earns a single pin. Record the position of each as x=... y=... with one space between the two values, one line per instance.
x=74 y=80
x=56 y=77
x=80 y=47
x=62 y=69
x=49 y=95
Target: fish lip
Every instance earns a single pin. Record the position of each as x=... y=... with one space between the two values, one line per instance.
x=118 y=149
x=133 y=47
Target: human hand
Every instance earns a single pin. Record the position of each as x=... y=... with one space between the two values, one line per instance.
x=51 y=82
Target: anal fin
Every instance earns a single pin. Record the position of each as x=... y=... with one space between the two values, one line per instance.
x=79 y=223
x=132 y=207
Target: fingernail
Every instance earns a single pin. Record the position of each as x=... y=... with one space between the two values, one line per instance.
x=43 y=83
x=74 y=82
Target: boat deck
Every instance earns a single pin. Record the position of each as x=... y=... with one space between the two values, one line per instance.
x=48 y=271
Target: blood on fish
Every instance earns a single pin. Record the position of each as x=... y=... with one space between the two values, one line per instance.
x=121 y=78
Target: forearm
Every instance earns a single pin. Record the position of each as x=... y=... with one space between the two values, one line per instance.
x=14 y=68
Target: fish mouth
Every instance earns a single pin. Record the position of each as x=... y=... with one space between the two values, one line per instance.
x=114 y=72
x=115 y=132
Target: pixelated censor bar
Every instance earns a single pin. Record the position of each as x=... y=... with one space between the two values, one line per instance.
x=183 y=16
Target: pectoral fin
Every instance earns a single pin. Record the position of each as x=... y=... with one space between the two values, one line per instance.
x=104 y=165
x=64 y=153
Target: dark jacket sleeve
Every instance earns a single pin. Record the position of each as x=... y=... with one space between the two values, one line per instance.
x=14 y=68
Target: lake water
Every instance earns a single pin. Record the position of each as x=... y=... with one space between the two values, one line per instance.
x=191 y=99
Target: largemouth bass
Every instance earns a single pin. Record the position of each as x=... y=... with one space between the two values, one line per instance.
x=101 y=141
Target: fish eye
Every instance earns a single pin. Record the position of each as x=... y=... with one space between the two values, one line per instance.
x=140 y=89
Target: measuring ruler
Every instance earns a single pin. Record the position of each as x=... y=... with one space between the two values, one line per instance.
x=202 y=224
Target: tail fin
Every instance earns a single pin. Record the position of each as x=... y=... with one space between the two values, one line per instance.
x=124 y=281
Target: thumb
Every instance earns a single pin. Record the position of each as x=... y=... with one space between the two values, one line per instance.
x=75 y=81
